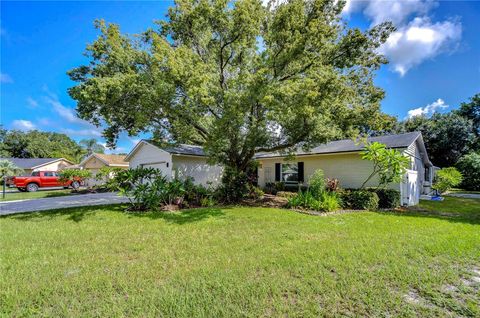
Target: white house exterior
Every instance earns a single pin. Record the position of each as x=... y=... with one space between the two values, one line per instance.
x=176 y=162
x=30 y=165
x=338 y=159
x=342 y=160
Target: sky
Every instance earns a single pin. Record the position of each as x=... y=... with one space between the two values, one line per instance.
x=434 y=56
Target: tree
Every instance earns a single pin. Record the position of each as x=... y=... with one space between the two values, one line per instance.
x=236 y=77
x=471 y=110
x=91 y=146
x=39 y=144
x=388 y=164
x=8 y=169
x=469 y=166
x=446 y=179
x=447 y=136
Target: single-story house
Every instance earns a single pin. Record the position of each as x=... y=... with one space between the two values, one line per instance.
x=338 y=159
x=95 y=161
x=342 y=160
x=176 y=161
x=39 y=164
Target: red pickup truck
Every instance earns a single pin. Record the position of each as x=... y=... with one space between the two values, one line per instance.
x=41 y=179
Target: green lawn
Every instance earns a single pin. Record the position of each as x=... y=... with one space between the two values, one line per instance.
x=241 y=262
x=10 y=196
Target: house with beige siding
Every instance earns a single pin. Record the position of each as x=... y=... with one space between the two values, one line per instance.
x=339 y=159
x=342 y=160
x=30 y=165
x=96 y=161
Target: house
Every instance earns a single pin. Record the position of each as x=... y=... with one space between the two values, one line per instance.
x=96 y=161
x=40 y=164
x=338 y=159
x=176 y=161
x=342 y=160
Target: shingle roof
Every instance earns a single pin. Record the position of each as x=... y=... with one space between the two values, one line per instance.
x=112 y=159
x=29 y=163
x=181 y=149
x=348 y=145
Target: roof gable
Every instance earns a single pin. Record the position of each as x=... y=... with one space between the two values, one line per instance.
x=109 y=160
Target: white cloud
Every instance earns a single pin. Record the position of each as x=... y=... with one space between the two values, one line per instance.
x=428 y=109
x=81 y=132
x=420 y=40
x=32 y=103
x=5 y=78
x=417 y=38
x=135 y=141
x=65 y=112
x=22 y=124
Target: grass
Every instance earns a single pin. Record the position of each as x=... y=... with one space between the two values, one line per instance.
x=240 y=262
x=11 y=196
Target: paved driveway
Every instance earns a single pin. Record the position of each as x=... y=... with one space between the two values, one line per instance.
x=60 y=202
x=465 y=195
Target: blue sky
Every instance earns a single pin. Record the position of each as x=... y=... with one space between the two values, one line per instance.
x=435 y=56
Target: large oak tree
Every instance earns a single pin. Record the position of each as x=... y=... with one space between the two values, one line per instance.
x=236 y=77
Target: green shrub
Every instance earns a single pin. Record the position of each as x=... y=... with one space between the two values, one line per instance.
x=446 y=179
x=234 y=185
x=326 y=201
x=317 y=182
x=255 y=192
x=359 y=199
x=388 y=198
x=469 y=167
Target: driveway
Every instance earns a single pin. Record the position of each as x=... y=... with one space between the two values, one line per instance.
x=465 y=195
x=60 y=202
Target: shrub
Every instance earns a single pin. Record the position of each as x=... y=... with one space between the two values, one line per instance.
x=326 y=201
x=388 y=198
x=106 y=175
x=234 y=185
x=255 y=192
x=446 y=179
x=73 y=175
x=469 y=167
x=359 y=199
x=317 y=182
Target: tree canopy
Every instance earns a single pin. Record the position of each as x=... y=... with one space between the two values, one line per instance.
x=236 y=77
x=38 y=144
x=91 y=146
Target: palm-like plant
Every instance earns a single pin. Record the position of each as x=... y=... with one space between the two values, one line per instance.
x=8 y=169
x=91 y=146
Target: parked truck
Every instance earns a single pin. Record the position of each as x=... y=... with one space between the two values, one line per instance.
x=41 y=179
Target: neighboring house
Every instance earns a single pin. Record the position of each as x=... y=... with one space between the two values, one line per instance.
x=40 y=164
x=176 y=162
x=342 y=160
x=97 y=161
x=338 y=159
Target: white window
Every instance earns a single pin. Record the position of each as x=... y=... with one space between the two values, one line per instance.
x=290 y=172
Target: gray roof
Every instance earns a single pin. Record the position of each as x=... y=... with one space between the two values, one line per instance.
x=348 y=145
x=180 y=149
x=29 y=163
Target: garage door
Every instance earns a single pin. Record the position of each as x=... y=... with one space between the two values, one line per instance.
x=162 y=166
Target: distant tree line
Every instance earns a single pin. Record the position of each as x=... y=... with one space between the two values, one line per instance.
x=41 y=144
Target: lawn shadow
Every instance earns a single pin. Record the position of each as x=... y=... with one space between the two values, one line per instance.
x=180 y=217
x=78 y=214
x=75 y=214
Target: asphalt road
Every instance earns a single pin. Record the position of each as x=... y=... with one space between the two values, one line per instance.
x=69 y=201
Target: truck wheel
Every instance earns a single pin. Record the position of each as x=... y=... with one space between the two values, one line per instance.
x=32 y=187
x=75 y=185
